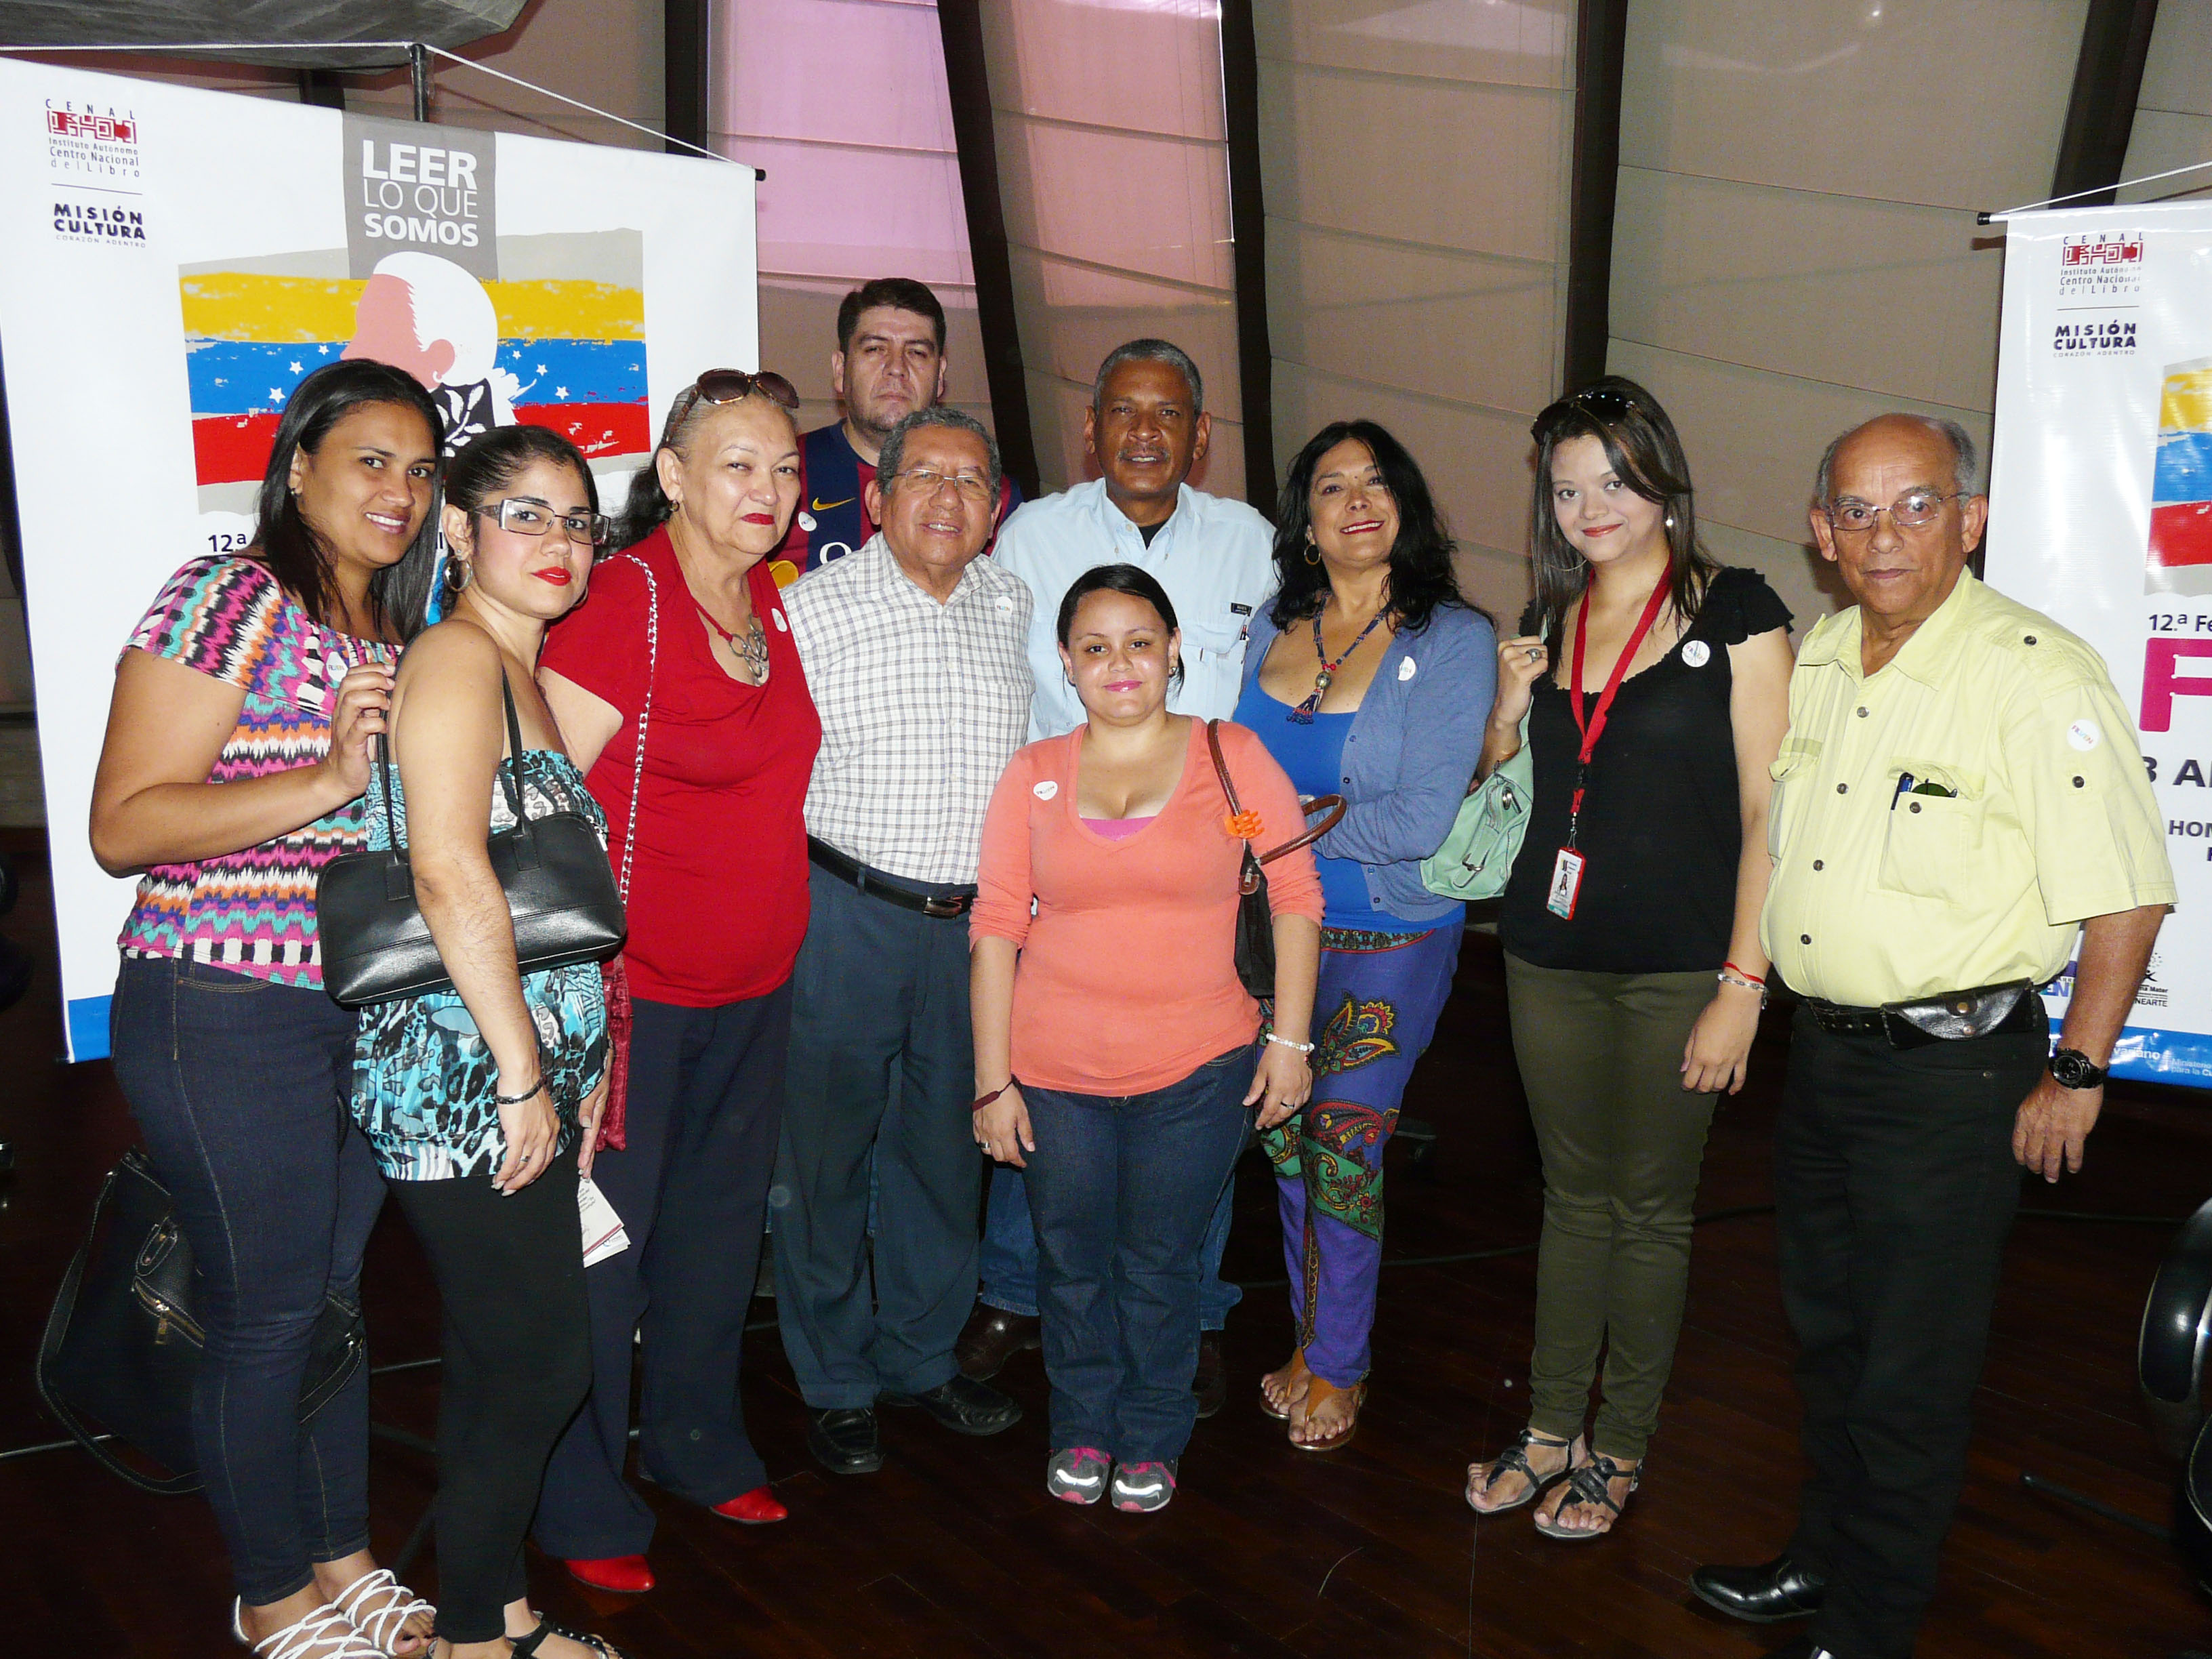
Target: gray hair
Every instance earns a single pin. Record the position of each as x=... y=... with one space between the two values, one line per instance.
x=1152 y=352
x=892 y=457
x=1965 y=464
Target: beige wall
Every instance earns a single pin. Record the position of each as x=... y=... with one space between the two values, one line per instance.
x=1795 y=248
x=2173 y=112
x=1416 y=161
x=1114 y=180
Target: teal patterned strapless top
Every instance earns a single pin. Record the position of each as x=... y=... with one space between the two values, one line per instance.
x=424 y=1078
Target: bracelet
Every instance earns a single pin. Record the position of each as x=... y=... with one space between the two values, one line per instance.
x=1303 y=1047
x=1741 y=983
x=985 y=1100
x=537 y=1088
x=1730 y=968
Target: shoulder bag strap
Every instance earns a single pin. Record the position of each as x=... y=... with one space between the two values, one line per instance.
x=510 y=774
x=1331 y=806
x=644 y=715
x=1221 y=766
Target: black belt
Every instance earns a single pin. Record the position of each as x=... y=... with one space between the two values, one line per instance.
x=944 y=903
x=1986 y=1010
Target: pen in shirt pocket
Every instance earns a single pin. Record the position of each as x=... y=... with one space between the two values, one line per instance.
x=1903 y=788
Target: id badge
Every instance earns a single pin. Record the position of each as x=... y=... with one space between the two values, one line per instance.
x=1566 y=881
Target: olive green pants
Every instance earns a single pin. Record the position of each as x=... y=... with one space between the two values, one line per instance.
x=1601 y=1056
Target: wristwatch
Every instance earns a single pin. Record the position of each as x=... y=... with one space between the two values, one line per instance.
x=2075 y=1070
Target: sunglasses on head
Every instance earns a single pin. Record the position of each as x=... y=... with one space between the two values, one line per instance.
x=1600 y=404
x=727 y=386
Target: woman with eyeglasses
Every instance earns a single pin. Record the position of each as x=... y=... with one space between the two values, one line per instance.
x=1651 y=684
x=480 y=1101
x=1368 y=677
x=679 y=691
x=236 y=753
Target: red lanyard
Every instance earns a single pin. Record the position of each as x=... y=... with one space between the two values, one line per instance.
x=1592 y=727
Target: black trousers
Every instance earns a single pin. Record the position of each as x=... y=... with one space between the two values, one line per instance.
x=881 y=993
x=706 y=1092
x=1895 y=1188
x=510 y=1272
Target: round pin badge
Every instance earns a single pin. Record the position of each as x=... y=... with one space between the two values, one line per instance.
x=1044 y=791
x=781 y=626
x=2084 y=736
x=1697 y=653
x=1405 y=668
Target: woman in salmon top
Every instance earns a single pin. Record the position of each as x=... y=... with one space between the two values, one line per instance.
x=1118 y=1007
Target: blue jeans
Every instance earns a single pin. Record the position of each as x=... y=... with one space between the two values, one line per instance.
x=240 y=1087
x=1010 y=1252
x=1122 y=1190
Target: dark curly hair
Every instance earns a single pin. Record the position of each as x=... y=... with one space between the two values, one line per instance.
x=1421 y=577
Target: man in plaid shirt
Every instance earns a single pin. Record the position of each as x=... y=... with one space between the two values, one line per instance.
x=915 y=651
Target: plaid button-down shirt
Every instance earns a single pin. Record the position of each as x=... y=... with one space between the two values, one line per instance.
x=922 y=705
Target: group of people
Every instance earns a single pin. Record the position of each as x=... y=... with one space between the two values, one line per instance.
x=934 y=815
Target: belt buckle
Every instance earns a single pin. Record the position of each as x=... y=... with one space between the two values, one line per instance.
x=943 y=906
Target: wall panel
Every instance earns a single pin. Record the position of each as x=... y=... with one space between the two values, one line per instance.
x=1795 y=248
x=1416 y=159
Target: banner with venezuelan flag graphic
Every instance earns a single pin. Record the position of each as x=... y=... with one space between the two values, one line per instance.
x=178 y=260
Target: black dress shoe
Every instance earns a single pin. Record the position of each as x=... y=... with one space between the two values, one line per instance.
x=992 y=1337
x=963 y=1405
x=845 y=1441
x=1763 y=1594
x=1211 y=1384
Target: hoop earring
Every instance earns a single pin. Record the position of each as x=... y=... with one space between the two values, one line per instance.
x=463 y=569
x=1313 y=553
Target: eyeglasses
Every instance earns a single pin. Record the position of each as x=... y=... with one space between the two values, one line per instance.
x=1600 y=403
x=1916 y=509
x=727 y=386
x=528 y=518
x=973 y=486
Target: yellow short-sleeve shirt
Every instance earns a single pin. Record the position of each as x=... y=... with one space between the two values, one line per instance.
x=1885 y=891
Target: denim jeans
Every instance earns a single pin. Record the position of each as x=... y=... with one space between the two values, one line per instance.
x=239 y=1087
x=1122 y=1190
x=1009 y=1261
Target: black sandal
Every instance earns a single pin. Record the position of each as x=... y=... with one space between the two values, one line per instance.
x=1590 y=1485
x=525 y=1647
x=1514 y=1459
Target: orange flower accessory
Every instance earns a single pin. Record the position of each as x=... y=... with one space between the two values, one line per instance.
x=1245 y=826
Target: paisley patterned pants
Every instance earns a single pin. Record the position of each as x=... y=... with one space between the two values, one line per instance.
x=1375 y=1009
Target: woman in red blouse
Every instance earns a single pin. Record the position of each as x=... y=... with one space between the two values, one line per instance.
x=680 y=693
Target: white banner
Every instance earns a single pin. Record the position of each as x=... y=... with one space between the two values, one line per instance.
x=2101 y=514
x=178 y=260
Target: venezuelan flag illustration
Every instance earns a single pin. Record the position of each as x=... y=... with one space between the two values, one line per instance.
x=571 y=357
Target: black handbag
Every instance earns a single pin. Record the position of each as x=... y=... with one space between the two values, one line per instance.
x=1255 y=919
x=122 y=1348
x=554 y=870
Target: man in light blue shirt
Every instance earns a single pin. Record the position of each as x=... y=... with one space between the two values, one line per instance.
x=1147 y=427
x=1215 y=556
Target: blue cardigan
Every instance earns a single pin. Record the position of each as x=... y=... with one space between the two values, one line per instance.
x=1410 y=752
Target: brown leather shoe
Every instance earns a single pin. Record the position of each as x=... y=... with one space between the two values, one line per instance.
x=1211 y=1384
x=992 y=1337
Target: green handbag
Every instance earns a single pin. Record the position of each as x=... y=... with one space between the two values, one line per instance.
x=1477 y=855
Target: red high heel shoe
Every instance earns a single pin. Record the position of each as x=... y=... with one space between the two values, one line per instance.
x=755 y=1508
x=622 y=1575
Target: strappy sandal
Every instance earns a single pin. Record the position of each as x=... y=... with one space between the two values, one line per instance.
x=1514 y=1459
x=325 y=1633
x=387 y=1624
x=525 y=1647
x=1319 y=1392
x=1590 y=1485
x=1298 y=1369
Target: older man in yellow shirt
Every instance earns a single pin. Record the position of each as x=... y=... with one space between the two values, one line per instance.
x=1959 y=799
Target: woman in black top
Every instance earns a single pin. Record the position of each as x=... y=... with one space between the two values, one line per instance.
x=1654 y=684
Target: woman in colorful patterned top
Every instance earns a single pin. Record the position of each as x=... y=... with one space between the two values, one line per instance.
x=481 y=1100
x=1393 y=723
x=236 y=753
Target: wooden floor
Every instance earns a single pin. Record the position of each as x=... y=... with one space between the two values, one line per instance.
x=954 y=1549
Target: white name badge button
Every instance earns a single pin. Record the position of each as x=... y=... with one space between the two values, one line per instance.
x=1566 y=883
